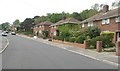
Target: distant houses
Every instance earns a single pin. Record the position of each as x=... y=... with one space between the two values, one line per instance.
x=107 y=21
x=43 y=26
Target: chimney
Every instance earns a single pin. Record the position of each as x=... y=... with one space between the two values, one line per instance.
x=105 y=8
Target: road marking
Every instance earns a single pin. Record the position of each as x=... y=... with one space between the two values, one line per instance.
x=5 y=46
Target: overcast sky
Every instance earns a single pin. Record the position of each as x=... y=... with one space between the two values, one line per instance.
x=21 y=9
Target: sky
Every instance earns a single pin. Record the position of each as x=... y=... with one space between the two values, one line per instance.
x=10 y=10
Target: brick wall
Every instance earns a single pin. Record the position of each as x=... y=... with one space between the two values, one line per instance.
x=112 y=26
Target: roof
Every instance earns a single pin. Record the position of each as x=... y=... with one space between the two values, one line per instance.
x=68 y=20
x=99 y=16
x=44 y=23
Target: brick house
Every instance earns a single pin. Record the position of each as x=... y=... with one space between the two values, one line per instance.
x=107 y=20
x=42 y=27
x=54 y=27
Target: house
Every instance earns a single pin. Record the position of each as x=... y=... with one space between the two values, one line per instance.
x=43 y=26
x=54 y=28
x=107 y=20
x=13 y=28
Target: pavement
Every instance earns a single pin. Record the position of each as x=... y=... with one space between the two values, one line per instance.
x=107 y=57
x=29 y=53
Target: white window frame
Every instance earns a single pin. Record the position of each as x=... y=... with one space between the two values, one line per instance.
x=118 y=19
x=90 y=24
x=106 y=21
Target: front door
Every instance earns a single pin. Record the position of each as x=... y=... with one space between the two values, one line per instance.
x=118 y=36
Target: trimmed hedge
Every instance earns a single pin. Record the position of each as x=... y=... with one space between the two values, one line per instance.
x=106 y=41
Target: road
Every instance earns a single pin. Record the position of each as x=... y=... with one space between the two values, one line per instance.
x=23 y=53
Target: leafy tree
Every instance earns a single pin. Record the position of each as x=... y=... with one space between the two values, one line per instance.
x=87 y=13
x=96 y=7
x=5 y=26
x=76 y=16
x=27 y=24
x=0 y=27
x=116 y=4
x=16 y=23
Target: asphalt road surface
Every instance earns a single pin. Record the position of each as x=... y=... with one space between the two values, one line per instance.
x=23 y=53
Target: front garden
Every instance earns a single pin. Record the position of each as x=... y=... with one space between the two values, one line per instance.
x=71 y=33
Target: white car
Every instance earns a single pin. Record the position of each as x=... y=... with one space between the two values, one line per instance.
x=4 y=34
x=13 y=33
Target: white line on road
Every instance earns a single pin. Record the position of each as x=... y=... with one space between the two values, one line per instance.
x=5 y=46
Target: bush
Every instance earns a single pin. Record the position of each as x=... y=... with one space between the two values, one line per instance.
x=92 y=32
x=110 y=34
x=67 y=38
x=80 y=39
x=64 y=36
x=72 y=39
x=106 y=41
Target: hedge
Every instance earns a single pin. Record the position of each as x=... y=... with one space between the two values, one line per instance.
x=80 y=39
x=106 y=41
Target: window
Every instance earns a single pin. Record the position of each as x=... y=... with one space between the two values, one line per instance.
x=105 y=21
x=83 y=25
x=90 y=24
x=118 y=19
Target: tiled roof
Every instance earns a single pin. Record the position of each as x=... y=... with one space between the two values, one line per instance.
x=44 y=23
x=99 y=16
x=68 y=20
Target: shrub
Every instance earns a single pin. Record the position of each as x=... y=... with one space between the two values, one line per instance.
x=72 y=39
x=110 y=34
x=106 y=41
x=80 y=39
x=92 y=32
x=63 y=36
x=67 y=38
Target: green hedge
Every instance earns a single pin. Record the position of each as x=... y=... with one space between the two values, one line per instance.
x=80 y=39
x=106 y=41
x=110 y=34
x=72 y=39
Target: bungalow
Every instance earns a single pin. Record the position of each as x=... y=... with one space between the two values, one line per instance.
x=42 y=27
x=107 y=20
x=54 y=28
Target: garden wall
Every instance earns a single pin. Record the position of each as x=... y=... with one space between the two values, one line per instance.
x=71 y=44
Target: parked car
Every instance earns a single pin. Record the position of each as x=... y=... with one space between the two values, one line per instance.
x=4 y=34
x=6 y=31
x=13 y=33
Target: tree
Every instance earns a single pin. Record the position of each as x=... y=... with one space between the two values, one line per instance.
x=116 y=4
x=5 y=26
x=76 y=16
x=95 y=7
x=27 y=24
x=0 y=27
x=88 y=13
x=16 y=23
